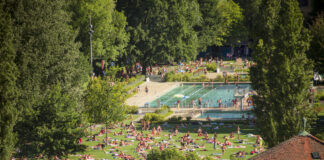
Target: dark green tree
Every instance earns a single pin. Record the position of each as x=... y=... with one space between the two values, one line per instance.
x=8 y=88
x=250 y=8
x=167 y=154
x=282 y=73
x=47 y=55
x=219 y=18
x=104 y=101
x=109 y=37
x=56 y=126
x=161 y=31
x=316 y=51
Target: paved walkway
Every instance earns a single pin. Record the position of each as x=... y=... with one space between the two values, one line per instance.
x=156 y=89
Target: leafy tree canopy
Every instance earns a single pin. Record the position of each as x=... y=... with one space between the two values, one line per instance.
x=167 y=154
x=8 y=88
x=47 y=56
x=219 y=17
x=161 y=30
x=109 y=37
x=316 y=52
x=104 y=101
x=54 y=128
x=282 y=74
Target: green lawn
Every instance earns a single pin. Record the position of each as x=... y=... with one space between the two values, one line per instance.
x=224 y=130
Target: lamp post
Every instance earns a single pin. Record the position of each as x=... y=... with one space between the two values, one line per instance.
x=90 y=32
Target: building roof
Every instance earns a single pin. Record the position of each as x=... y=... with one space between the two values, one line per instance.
x=299 y=147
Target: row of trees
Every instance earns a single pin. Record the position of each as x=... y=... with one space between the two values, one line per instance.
x=283 y=73
x=45 y=61
x=162 y=31
x=45 y=92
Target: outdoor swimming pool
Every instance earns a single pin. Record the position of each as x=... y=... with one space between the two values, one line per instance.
x=226 y=115
x=209 y=94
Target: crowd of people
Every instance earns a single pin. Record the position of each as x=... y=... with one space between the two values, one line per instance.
x=152 y=136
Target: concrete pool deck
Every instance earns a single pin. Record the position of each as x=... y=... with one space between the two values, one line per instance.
x=156 y=89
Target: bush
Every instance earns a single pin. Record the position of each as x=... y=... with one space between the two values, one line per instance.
x=230 y=78
x=179 y=118
x=156 y=118
x=320 y=95
x=173 y=119
x=165 y=109
x=165 y=154
x=153 y=117
x=188 y=118
x=244 y=77
x=201 y=78
x=211 y=67
x=170 y=77
x=219 y=78
x=172 y=153
x=159 y=115
x=131 y=109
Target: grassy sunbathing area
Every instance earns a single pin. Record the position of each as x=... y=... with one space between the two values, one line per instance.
x=125 y=140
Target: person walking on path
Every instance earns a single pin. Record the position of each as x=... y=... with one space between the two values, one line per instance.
x=146 y=90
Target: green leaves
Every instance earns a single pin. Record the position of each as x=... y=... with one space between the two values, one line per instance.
x=281 y=74
x=51 y=72
x=218 y=19
x=161 y=31
x=8 y=88
x=55 y=126
x=317 y=44
x=104 y=101
x=109 y=37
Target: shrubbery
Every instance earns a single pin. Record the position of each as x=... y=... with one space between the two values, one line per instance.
x=159 y=115
x=175 y=119
x=154 y=117
x=211 y=67
x=131 y=109
x=201 y=78
x=171 y=77
x=185 y=77
x=320 y=95
x=165 y=109
x=173 y=154
x=242 y=70
x=190 y=77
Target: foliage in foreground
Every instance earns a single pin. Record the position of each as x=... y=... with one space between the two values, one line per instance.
x=109 y=37
x=55 y=127
x=317 y=44
x=8 y=89
x=159 y=115
x=160 y=30
x=281 y=76
x=104 y=101
x=52 y=71
x=169 y=154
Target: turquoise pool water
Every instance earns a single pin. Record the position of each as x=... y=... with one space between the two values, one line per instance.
x=210 y=94
x=226 y=115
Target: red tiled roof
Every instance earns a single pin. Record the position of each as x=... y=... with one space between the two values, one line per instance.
x=295 y=148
